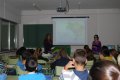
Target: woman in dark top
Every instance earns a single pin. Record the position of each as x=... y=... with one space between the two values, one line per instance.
x=48 y=43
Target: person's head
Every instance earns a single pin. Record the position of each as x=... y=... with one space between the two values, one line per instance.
x=20 y=51
x=113 y=52
x=48 y=36
x=80 y=57
x=31 y=64
x=86 y=48
x=37 y=52
x=26 y=54
x=63 y=53
x=90 y=55
x=105 y=51
x=96 y=37
x=105 y=70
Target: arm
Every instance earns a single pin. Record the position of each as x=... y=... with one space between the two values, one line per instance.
x=66 y=74
x=70 y=64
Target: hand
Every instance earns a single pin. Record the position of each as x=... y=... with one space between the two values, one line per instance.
x=70 y=64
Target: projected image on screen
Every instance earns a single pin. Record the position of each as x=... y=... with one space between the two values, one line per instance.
x=69 y=31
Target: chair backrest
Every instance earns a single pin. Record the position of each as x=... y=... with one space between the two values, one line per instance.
x=12 y=61
x=19 y=71
x=89 y=64
x=58 y=70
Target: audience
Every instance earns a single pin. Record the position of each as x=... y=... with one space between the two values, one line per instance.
x=74 y=69
x=31 y=66
x=79 y=73
x=105 y=70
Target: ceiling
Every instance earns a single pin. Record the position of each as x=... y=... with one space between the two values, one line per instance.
x=73 y=4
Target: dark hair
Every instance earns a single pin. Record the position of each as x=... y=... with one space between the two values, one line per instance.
x=105 y=70
x=31 y=64
x=80 y=56
x=46 y=37
x=90 y=55
x=63 y=53
x=20 y=50
x=96 y=36
x=86 y=47
x=105 y=51
x=26 y=54
x=112 y=50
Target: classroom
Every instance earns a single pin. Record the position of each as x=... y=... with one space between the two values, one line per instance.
x=25 y=23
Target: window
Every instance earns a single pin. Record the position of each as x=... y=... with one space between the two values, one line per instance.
x=4 y=35
x=12 y=36
x=7 y=35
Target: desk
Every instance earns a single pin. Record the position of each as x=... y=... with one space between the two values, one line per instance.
x=12 y=77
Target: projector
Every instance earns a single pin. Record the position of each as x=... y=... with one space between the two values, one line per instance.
x=61 y=9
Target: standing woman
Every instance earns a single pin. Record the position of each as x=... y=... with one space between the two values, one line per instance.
x=48 y=43
x=96 y=45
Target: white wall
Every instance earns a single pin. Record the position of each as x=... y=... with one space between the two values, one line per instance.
x=104 y=22
x=8 y=12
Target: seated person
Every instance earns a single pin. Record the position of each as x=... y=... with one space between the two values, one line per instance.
x=38 y=54
x=87 y=49
x=31 y=66
x=105 y=70
x=62 y=59
x=20 y=51
x=20 y=55
x=113 y=54
x=79 y=73
x=3 y=75
x=21 y=63
x=90 y=53
x=105 y=54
